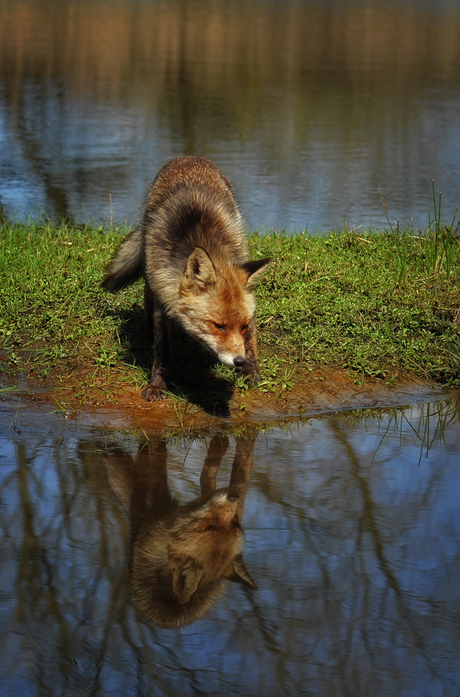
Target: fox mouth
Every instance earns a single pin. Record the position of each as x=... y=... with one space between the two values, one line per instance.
x=237 y=361
x=225 y=357
x=232 y=361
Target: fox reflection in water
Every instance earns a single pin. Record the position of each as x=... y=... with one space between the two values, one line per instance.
x=181 y=555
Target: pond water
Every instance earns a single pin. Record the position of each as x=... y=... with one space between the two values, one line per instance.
x=309 y=107
x=352 y=535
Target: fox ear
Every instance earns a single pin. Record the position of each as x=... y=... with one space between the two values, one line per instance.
x=240 y=573
x=200 y=271
x=186 y=577
x=254 y=269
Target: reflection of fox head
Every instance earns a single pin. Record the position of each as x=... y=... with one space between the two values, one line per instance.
x=180 y=562
x=216 y=304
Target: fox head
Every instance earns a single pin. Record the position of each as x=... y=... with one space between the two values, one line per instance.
x=180 y=566
x=216 y=305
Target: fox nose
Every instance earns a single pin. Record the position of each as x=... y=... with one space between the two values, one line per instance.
x=232 y=497
x=239 y=361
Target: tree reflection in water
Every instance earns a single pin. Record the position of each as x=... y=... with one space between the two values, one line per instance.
x=285 y=97
x=352 y=532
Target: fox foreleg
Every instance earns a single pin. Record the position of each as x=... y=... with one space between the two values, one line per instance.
x=159 y=325
x=251 y=366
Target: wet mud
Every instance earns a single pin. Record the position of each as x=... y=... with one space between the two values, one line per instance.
x=323 y=392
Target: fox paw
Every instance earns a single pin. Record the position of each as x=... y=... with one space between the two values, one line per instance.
x=252 y=377
x=151 y=393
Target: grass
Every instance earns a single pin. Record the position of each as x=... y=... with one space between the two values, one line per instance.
x=343 y=301
x=379 y=305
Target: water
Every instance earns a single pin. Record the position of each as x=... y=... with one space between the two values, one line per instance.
x=352 y=534
x=309 y=107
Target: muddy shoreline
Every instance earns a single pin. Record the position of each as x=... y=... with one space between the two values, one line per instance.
x=326 y=392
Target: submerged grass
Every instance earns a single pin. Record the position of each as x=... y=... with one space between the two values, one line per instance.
x=379 y=305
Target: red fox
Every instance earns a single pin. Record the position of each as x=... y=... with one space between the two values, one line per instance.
x=191 y=249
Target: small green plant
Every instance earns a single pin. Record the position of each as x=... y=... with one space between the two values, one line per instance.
x=438 y=254
x=180 y=406
x=402 y=260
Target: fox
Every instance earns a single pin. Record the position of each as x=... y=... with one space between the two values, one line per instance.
x=180 y=556
x=191 y=249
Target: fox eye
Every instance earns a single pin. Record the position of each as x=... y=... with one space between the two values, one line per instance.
x=244 y=328
x=211 y=526
x=222 y=327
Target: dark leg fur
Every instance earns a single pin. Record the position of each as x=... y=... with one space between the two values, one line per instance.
x=148 y=311
x=251 y=367
x=216 y=451
x=158 y=326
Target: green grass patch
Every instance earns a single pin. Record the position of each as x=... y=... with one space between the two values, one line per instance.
x=379 y=305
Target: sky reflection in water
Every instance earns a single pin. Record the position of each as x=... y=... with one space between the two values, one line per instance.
x=352 y=534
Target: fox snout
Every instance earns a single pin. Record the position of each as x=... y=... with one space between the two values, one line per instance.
x=227 y=352
x=221 y=497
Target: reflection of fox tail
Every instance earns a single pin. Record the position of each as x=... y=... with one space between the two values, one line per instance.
x=127 y=266
x=180 y=563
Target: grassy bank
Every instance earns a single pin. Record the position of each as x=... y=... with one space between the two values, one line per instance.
x=377 y=305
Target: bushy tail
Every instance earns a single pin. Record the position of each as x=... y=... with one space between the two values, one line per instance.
x=127 y=265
